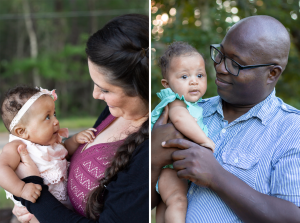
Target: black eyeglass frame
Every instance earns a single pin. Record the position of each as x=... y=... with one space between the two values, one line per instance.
x=241 y=67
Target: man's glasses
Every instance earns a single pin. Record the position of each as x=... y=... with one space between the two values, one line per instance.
x=231 y=66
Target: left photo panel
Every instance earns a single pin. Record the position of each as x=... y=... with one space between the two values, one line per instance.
x=74 y=130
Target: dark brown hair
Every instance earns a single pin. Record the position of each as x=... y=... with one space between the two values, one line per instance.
x=13 y=101
x=175 y=49
x=121 y=49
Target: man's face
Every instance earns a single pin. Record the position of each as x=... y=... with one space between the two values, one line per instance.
x=250 y=87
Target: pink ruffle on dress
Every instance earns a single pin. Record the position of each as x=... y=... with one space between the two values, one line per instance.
x=88 y=166
x=52 y=165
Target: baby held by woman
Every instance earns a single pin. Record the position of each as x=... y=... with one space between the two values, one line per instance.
x=185 y=82
x=29 y=115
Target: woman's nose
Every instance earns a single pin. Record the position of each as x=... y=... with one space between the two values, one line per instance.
x=98 y=94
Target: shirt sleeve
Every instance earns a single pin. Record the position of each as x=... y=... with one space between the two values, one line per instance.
x=285 y=177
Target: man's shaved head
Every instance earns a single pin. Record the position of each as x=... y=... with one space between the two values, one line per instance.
x=254 y=40
x=264 y=37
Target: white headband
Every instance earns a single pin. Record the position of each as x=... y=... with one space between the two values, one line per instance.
x=27 y=105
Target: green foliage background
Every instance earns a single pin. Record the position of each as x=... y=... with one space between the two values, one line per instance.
x=62 y=28
x=213 y=16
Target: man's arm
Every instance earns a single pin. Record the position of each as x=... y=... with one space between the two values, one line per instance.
x=198 y=164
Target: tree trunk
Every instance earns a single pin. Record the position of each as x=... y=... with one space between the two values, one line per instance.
x=33 y=41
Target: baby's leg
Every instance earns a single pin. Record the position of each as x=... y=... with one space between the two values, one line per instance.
x=173 y=193
x=160 y=212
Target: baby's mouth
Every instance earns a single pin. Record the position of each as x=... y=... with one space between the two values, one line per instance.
x=194 y=91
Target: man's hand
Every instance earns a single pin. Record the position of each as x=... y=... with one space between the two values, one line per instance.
x=85 y=136
x=31 y=192
x=194 y=162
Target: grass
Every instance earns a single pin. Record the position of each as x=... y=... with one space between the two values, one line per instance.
x=71 y=123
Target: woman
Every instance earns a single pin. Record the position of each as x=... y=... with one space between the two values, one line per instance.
x=117 y=159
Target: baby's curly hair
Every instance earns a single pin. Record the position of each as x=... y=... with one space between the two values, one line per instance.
x=174 y=50
x=13 y=101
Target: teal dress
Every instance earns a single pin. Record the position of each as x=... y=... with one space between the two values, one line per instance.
x=167 y=96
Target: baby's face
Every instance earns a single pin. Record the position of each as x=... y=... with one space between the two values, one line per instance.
x=42 y=125
x=187 y=76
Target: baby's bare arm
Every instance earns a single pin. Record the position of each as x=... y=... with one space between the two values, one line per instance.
x=187 y=125
x=9 y=161
x=73 y=142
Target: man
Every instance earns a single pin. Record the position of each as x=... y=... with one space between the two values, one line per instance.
x=254 y=174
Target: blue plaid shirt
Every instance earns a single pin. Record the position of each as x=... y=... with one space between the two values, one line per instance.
x=262 y=148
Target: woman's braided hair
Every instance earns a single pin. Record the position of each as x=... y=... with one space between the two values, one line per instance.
x=121 y=49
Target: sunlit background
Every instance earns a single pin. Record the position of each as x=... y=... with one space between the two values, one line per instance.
x=205 y=22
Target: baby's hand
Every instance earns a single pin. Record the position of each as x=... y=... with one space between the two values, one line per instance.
x=85 y=136
x=209 y=144
x=31 y=192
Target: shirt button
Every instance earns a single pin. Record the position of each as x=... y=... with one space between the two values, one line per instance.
x=283 y=106
x=223 y=130
x=236 y=160
x=191 y=191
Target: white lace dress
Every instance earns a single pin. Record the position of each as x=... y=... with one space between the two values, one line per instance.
x=52 y=165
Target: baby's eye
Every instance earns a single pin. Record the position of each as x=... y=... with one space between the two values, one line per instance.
x=184 y=76
x=199 y=75
x=48 y=117
x=54 y=114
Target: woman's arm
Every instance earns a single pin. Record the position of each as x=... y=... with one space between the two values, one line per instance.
x=185 y=123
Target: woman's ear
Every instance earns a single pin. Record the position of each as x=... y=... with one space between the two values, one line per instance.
x=274 y=74
x=21 y=132
x=165 y=83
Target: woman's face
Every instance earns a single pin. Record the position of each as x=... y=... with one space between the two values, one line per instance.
x=120 y=105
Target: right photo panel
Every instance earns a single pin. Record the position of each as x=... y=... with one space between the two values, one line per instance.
x=225 y=119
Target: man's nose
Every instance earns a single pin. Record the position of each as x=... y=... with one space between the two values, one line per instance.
x=220 y=68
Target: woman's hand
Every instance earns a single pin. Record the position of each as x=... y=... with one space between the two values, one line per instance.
x=27 y=167
x=22 y=214
x=85 y=136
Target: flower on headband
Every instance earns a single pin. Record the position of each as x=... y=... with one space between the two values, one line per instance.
x=52 y=93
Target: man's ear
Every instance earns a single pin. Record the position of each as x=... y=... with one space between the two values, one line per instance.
x=21 y=132
x=274 y=74
x=165 y=83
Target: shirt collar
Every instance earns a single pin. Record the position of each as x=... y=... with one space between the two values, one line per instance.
x=261 y=111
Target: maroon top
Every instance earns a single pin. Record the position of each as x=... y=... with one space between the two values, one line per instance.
x=88 y=166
